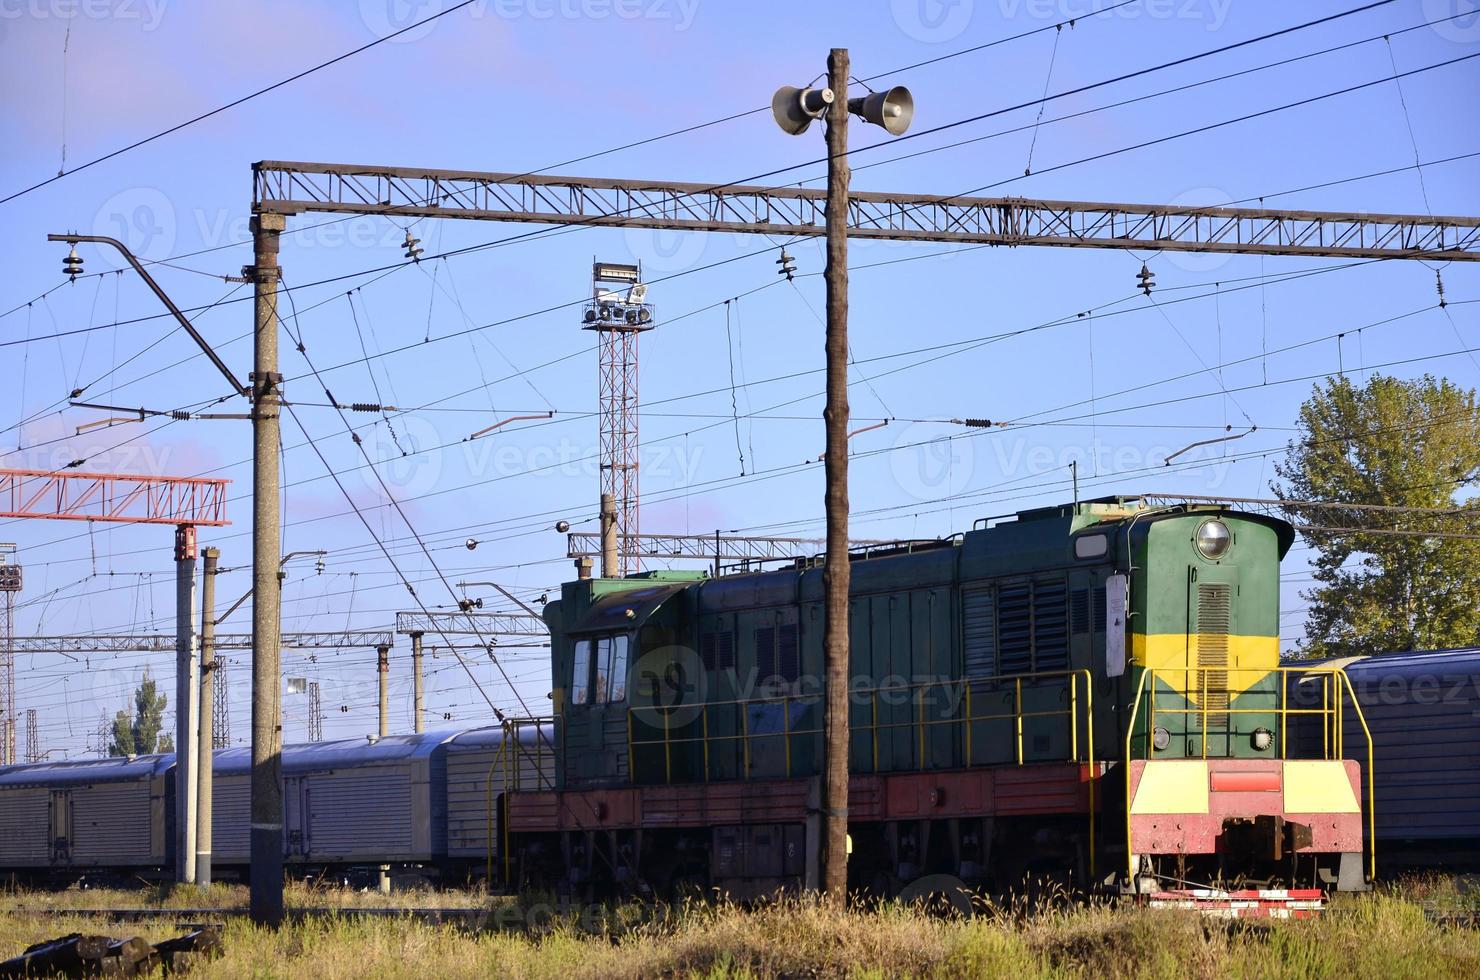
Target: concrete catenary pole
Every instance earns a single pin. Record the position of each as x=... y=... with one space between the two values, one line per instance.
x=836 y=572
x=206 y=769
x=418 y=693
x=609 y=560
x=187 y=703
x=383 y=672
x=267 y=731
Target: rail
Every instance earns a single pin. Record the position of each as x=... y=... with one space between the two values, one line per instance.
x=1077 y=686
x=1335 y=687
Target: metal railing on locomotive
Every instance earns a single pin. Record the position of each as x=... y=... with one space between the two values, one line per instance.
x=968 y=719
x=1335 y=687
x=511 y=755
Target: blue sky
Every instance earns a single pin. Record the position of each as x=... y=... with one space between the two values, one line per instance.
x=518 y=85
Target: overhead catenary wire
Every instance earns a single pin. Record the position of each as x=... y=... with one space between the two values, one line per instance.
x=691 y=128
x=230 y=105
x=602 y=221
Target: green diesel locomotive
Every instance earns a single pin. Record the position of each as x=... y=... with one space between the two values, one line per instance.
x=1088 y=693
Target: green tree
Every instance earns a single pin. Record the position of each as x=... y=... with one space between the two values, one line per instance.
x=138 y=733
x=1393 y=442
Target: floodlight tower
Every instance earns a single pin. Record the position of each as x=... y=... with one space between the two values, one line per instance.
x=10 y=584
x=619 y=313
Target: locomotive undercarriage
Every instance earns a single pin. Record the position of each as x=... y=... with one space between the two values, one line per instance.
x=1000 y=857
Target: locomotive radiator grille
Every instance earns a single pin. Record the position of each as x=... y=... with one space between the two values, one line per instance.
x=1213 y=625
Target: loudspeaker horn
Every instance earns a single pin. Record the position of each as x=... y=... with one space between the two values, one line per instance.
x=894 y=109
x=795 y=108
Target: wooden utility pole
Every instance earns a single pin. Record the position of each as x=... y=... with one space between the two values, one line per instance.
x=267 y=728
x=205 y=768
x=836 y=574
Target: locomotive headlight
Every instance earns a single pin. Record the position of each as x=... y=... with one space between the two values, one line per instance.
x=1263 y=739
x=1160 y=738
x=1213 y=539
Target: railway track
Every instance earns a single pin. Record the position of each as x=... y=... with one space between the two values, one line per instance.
x=474 y=919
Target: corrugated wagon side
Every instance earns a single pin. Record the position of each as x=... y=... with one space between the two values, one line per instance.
x=63 y=818
x=349 y=802
x=482 y=765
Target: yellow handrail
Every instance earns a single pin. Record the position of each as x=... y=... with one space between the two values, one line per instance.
x=1332 y=731
x=1371 y=791
x=920 y=725
x=667 y=738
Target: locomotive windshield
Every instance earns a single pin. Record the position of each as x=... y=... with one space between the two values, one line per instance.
x=599 y=670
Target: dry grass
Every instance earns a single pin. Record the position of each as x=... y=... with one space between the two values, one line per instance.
x=297 y=895
x=1378 y=936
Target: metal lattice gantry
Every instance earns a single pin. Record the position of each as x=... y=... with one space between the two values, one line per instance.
x=103 y=643
x=291 y=188
x=33 y=743
x=716 y=548
x=1323 y=517
x=220 y=708
x=470 y=624
x=113 y=497
x=315 y=713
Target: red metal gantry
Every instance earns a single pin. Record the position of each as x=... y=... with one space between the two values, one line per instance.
x=113 y=497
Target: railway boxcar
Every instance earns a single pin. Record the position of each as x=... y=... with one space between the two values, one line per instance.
x=1090 y=692
x=62 y=819
x=482 y=765
x=1423 y=708
x=347 y=802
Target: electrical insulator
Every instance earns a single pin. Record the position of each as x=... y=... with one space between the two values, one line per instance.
x=413 y=251
x=72 y=265
x=1148 y=279
x=1439 y=282
x=318 y=566
x=788 y=265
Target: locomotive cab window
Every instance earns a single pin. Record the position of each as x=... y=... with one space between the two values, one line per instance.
x=1091 y=546
x=599 y=670
x=580 y=680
